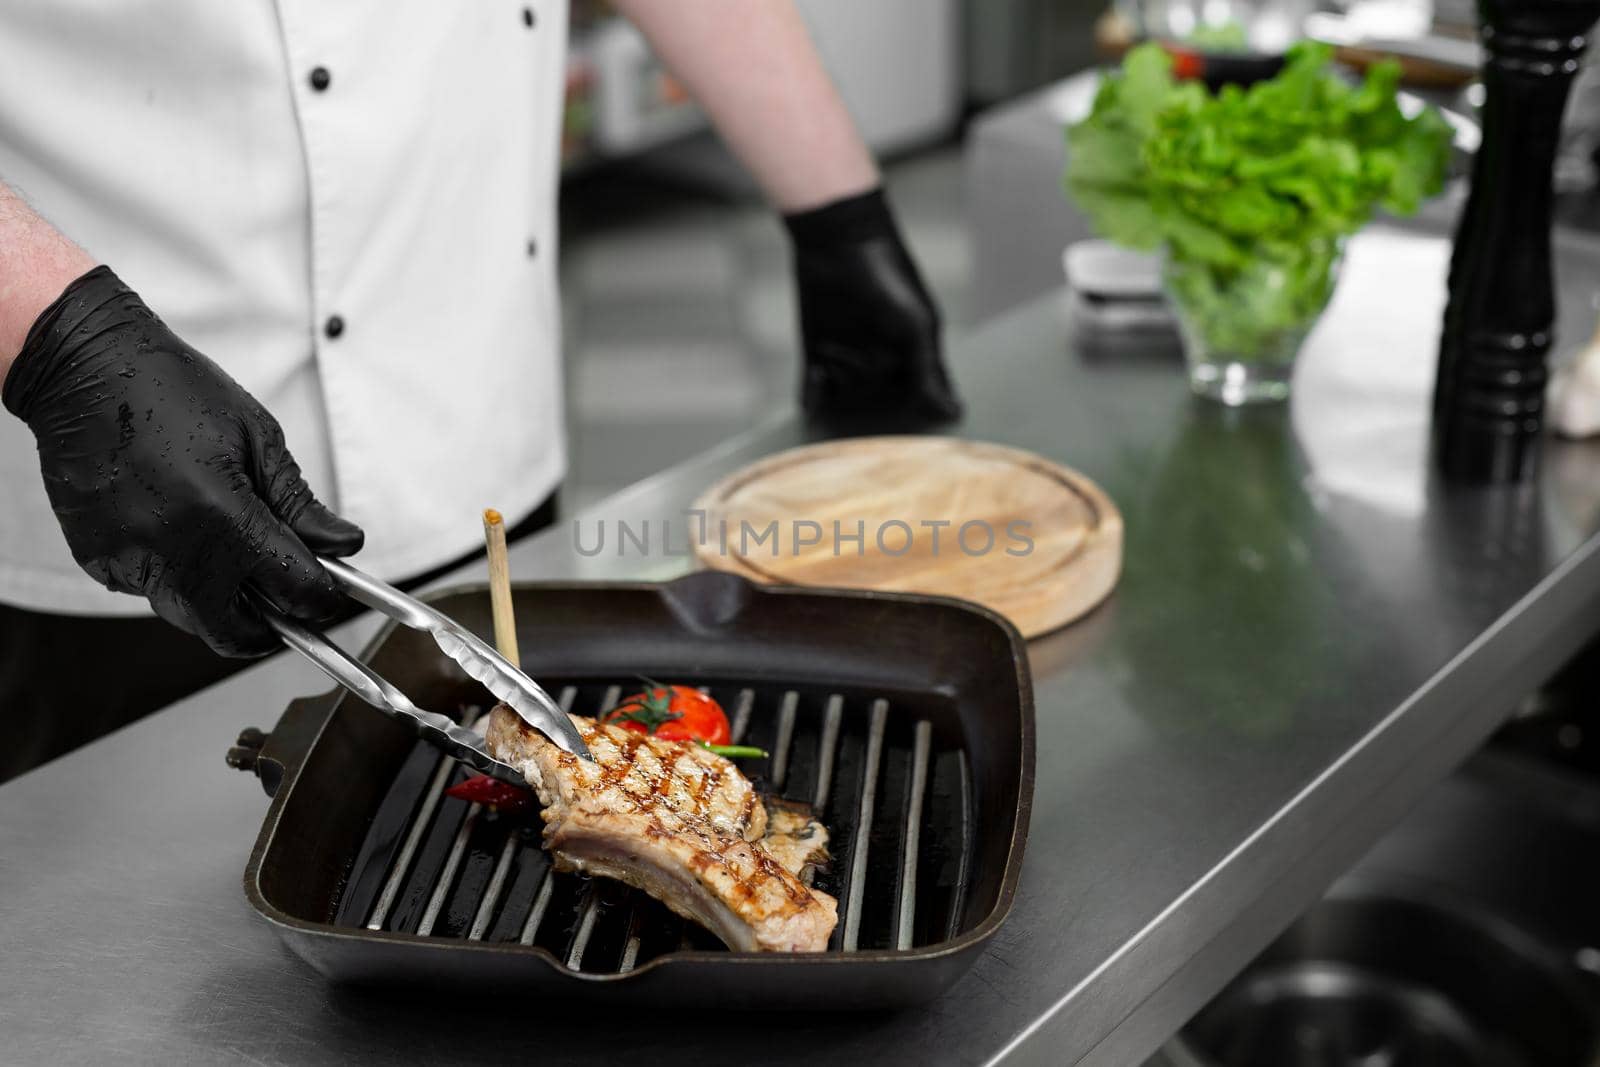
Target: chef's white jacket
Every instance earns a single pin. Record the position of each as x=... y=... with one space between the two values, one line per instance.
x=348 y=204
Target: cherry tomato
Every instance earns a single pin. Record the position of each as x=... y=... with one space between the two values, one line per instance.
x=673 y=713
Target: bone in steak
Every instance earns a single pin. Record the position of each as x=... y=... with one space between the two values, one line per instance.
x=680 y=823
x=793 y=837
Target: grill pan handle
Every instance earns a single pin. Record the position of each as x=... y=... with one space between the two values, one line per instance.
x=276 y=756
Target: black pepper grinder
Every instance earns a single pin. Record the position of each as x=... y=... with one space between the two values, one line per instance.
x=1488 y=403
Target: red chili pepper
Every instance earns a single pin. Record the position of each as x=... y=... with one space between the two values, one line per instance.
x=492 y=793
x=1187 y=65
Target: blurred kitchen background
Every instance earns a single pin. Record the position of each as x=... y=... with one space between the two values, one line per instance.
x=680 y=330
x=679 y=314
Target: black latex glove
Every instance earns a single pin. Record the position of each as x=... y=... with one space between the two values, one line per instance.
x=870 y=329
x=170 y=481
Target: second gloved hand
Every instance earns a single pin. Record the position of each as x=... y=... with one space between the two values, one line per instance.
x=868 y=325
x=170 y=481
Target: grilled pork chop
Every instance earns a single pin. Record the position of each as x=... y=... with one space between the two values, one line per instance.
x=676 y=821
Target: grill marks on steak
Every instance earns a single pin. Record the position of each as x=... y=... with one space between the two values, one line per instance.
x=674 y=820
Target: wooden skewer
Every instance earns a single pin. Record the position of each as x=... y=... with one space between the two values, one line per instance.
x=505 y=623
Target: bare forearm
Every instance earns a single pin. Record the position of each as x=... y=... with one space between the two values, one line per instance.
x=752 y=66
x=36 y=264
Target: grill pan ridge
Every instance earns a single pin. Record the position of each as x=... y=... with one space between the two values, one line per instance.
x=905 y=722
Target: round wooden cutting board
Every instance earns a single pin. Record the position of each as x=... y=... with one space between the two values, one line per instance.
x=1036 y=541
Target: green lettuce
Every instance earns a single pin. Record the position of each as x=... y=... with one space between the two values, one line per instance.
x=1221 y=178
x=1251 y=183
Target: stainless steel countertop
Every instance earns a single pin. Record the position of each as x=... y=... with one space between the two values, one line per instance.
x=1288 y=664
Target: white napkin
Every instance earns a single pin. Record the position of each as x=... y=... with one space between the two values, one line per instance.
x=1573 y=397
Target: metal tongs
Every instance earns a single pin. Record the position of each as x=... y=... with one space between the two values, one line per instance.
x=519 y=692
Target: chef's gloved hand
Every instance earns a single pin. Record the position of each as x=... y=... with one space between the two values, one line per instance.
x=869 y=328
x=170 y=481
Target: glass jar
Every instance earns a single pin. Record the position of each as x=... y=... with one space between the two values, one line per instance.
x=1243 y=327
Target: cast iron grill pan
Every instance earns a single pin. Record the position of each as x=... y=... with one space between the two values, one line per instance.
x=905 y=723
